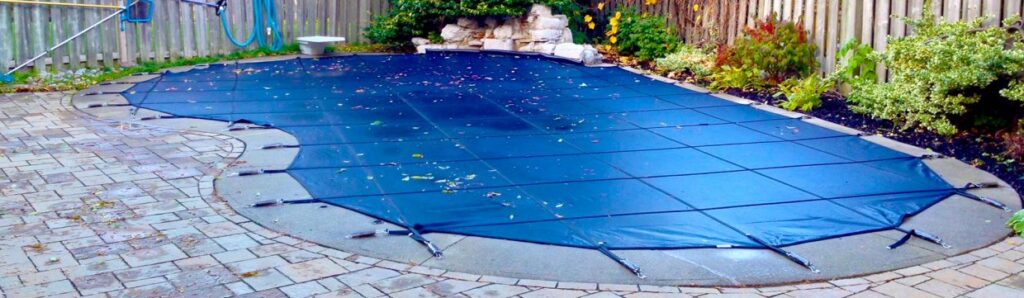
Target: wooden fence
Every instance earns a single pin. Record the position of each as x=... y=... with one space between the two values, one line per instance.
x=831 y=22
x=178 y=29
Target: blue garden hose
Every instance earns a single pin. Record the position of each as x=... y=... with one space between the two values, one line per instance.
x=264 y=16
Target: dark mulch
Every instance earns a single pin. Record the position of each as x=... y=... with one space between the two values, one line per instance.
x=981 y=150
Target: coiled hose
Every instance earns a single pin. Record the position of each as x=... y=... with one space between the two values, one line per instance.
x=264 y=16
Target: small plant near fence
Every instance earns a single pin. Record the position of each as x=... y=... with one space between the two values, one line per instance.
x=772 y=49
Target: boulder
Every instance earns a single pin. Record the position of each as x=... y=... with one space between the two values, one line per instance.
x=422 y=49
x=591 y=56
x=467 y=23
x=570 y=51
x=566 y=36
x=455 y=33
x=419 y=41
x=539 y=10
x=558 y=22
x=498 y=44
x=503 y=32
x=491 y=22
x=546 y=35
x=543 y=48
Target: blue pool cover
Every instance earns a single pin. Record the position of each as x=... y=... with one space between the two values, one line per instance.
x=532 y=149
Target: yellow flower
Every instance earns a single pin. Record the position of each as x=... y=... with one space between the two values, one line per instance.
x=613 y=39
x=650 y=2
x=588 y=19
x=618 y=14
x=591 y=26
x=600 y=6
x=696 y=7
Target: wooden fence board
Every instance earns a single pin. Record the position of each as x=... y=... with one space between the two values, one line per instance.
x=6 y=33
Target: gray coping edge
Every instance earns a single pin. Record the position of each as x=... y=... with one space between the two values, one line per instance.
x=743 y=267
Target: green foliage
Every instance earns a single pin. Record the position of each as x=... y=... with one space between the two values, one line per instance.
x=728 y=77
x=859 y=64
x=412 y=18
x=1016 y=223
x=642 y=36
x=805 y=94
x=688 y=58
x=774 y=49
x=940 y=71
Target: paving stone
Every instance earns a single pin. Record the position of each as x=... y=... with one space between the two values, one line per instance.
x=402 y=282
x=95 y=284
x=553 y=293
x=153 y=255
x=448 y=288
x=311 y=270
x=958 y=279
x=264 y=279
x=996 y=290
x=941 y=288
x=899 y=290
x=306 y=289
x=984 y=272
x=366 y=276
x=496 y=291
x=577 y=286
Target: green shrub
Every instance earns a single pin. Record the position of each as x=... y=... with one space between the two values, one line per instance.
x=775 y=49
x=940 y=73
x=805 y=94
x=645 y=37
x=728 y=77
x=858 y=67
x=1016 y=223
x=688 y=58
x=418 y=18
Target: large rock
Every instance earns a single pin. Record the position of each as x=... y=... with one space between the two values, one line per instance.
x=546 y=35
x=498 y=44
x=419 y=41
x=590 y=55
x=543 y=48
x=503 y=32
x=455 y=33
x=467 y=23
x=491 y=22
x=558 y=22
x=539 y=10
x=566 y=36
x=570 y=50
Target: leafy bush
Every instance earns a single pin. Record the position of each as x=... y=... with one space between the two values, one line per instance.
x=728 y=77
x=859 y=64
x=643 y=36
x=805 y=94
x=938 y=74
x=688 y=58
x=411 y=18
x=1016 y=223
x=776 y=49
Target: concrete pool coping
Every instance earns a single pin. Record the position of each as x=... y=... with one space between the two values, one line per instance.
x=964 y=223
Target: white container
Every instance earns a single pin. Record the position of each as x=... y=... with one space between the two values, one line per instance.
x=314 y=45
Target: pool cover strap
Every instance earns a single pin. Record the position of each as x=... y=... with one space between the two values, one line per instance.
x=923 y=235
x=789 y=255
x=963 y=192
x=268 y=203
x=622 y=261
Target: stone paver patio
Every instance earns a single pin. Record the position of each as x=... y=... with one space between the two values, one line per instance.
x=96 y=208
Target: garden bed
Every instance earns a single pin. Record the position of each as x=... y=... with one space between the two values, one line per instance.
x=981 y=150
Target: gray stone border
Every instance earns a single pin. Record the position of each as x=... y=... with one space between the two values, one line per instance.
x=703 y=267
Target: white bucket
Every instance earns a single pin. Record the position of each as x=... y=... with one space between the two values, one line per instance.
x=314 y=45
